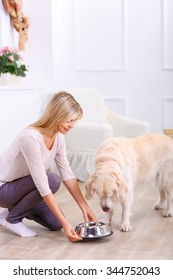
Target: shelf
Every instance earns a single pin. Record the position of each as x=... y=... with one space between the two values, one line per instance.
x=20 y=87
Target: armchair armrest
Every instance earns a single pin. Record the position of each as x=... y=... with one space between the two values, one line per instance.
x=126 y=127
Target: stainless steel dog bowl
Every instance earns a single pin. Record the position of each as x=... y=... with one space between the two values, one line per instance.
x=93 y=230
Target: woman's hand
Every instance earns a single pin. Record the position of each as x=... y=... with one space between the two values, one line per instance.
x=89 y=215
x=68 y=228
x=70 y=232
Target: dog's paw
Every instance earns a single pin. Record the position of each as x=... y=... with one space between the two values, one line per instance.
x=159 y=207
x=125 y=227
x=166 y=214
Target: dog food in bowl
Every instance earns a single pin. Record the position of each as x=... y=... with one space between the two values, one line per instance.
x=93 y=230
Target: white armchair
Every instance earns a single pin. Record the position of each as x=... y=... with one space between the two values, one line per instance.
x=98 y=124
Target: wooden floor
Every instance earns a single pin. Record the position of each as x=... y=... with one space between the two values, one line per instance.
x=151 y=237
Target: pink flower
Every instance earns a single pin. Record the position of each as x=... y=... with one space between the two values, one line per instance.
x=11 y=57
x=4 y=50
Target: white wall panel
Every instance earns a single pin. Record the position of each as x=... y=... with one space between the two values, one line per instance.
x=168 y=112
x=117 y=104
x=168 y=34
x=99 y=35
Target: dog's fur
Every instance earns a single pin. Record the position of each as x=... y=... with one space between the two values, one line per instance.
x=121 y=164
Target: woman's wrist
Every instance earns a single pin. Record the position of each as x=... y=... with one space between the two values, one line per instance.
x=84 y=207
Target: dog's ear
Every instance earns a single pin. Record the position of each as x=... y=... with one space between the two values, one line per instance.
x=120 y=186
x=89 y=187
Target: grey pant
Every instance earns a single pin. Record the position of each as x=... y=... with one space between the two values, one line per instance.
x=22 y=199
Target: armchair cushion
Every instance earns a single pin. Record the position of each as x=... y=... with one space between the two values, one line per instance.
x=85 y=138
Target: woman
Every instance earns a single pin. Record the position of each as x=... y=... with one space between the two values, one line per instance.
x=26 y=186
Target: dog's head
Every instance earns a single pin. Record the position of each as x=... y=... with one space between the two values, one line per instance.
x=109 y=186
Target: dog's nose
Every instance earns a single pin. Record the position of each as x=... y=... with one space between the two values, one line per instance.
x=106 y=209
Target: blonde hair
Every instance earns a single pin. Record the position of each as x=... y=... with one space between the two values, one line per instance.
x=61 y=108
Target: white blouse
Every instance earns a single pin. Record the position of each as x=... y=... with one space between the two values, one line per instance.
x=28 y=155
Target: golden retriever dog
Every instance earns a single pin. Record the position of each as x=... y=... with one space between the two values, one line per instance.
x=121 y=164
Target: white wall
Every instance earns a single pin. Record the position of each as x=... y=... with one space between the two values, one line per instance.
x=122 y=47
x=6 y=32
x=39 y=47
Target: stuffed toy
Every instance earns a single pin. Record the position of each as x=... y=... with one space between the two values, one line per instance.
x=19 y=21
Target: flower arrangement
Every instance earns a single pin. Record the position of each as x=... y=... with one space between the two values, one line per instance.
x=12 y=62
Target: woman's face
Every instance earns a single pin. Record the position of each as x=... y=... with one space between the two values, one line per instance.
x=66 y=126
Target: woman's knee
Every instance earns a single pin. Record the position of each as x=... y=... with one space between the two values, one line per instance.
x=54 y=181
x=56 y=227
